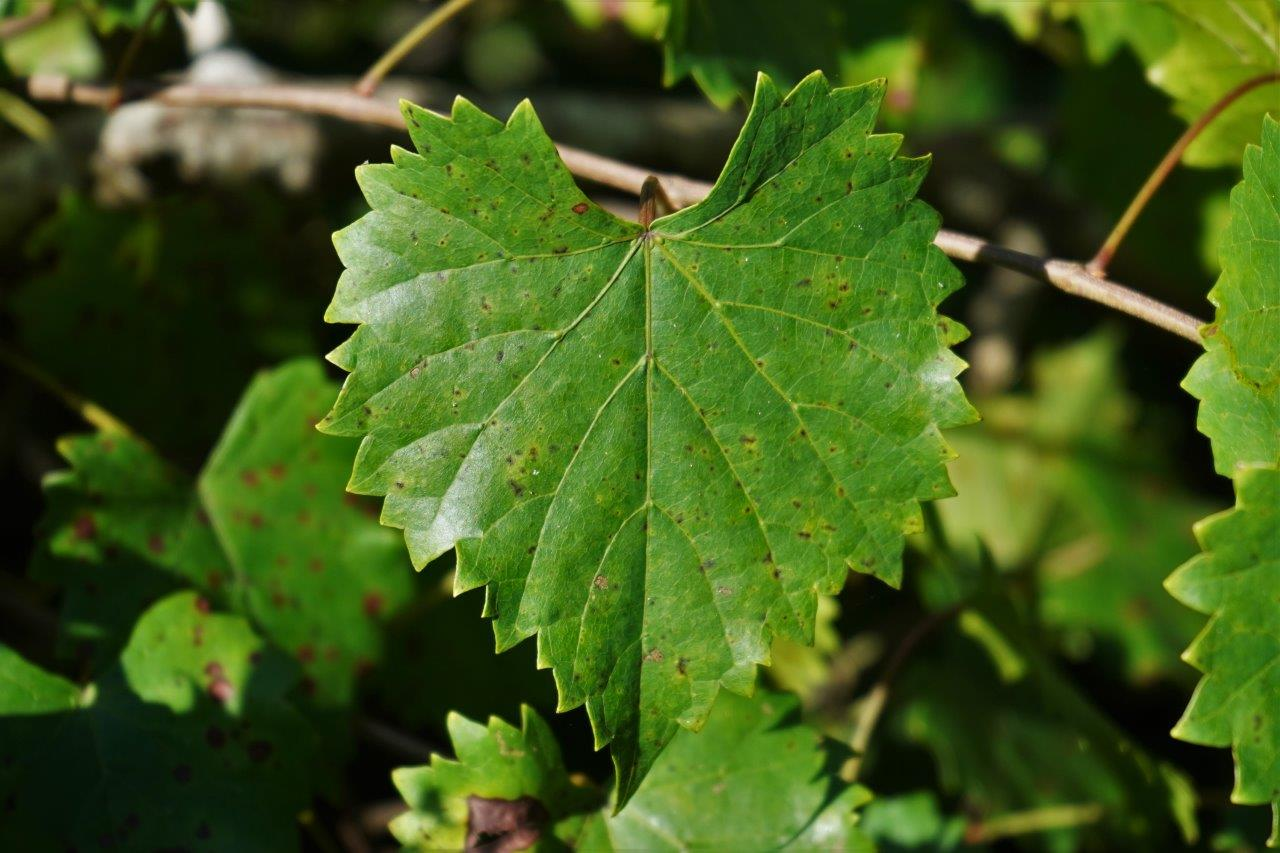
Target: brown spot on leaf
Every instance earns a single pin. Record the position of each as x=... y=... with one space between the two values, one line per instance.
x=503 y=826
x=581 y=208
x=84 y=527
x=220 y=690
x=372 y=604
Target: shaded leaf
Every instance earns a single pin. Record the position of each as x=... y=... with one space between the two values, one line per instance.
x=719 y=43
x=266 y=528
x=936 y=78
x=911 y=821
x=1194 y=51
x=64 y=44
x=207 y=269
x=754 y=779
x=1056 y=482
x=194 y=717
x=1009 y=733
x=655 y=447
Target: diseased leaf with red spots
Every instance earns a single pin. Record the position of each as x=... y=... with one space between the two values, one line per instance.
x=267 y=528
x=187 y=742
x=656 y=448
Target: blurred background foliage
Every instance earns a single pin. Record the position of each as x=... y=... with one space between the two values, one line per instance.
x=155 y=261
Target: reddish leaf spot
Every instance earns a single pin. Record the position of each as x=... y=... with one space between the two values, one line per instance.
x=202 y=604
x=84 y=527
x=373 y=602
x=250 y=478
x=580 y=208
x=276 y=471
x=155 y=544
x=221 y=690
x=306 y=653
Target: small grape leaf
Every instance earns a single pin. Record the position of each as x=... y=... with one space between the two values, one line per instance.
x=936 y=79
x=1059 y=481
x=266 y=528
x=1009 y=733
x=106 y=274
x=1235 y=581
x=62 y=44
x=719 y=44
x=655 y=447
x=1237 y=380
x=755 y=778
x=187 y=743
x=1194 y=51
x=912 y=821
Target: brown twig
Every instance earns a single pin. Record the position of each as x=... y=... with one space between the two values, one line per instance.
x=434 y=20
x=1098 y=265
x=1067 y=276
x=1071 y=277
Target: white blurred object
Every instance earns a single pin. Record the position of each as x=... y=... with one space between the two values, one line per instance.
x=212 y=143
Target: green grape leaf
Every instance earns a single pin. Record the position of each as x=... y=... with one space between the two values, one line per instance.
x=1194 y=51
x=655 y=447
x=937 y=78
x=1010 y=733
x=755 y=778
x=266 y=528
x=1235 y=582
x=913 y=821
x=1056 y=481
x=1237 y=380
x=719 y=44
x=27 y=689
x=105 y=275
x=471 y=679
x=194 y=716
x=63 y=44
